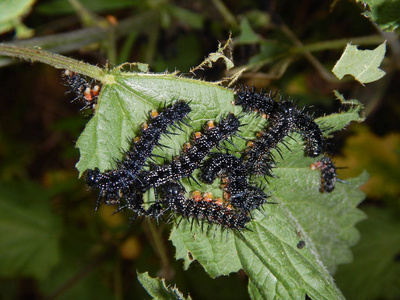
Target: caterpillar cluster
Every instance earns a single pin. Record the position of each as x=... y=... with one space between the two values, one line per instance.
x=241 y=194
x=82 y=89
x=126 y=184
x=284 y=117
x=192 y=155
x=203 y=208
x=113 y=183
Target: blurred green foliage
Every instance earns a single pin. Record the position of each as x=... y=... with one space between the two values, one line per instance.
x=285 y=46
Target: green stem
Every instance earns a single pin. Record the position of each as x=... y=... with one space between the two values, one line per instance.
x=118 y=288
x=56 y=60
x=91 y=19
x=126 y=48
x=88 y=18
x=159 y=245
x=319 y=46
x=307 y=54
x=151 y=48
x=110 y=44
x=226 y=14
x=338 y=44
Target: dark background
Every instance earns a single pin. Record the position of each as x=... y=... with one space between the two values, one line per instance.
x=39 y=127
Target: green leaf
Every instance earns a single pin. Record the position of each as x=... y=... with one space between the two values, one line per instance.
x=215 y=56
x=123 y=105
x=11 y=14
x=375 y=272
x=384 y=13
x=193 y=19
x=157 y=288
x=351 y=110
x=29 y=232
x=269 y=253
x=270 y=51
x=247 y=34
x=258 y=18
x=362 y=64
x=216 y=254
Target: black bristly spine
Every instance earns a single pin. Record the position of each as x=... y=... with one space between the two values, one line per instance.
x=201 y=210
x=243 y=196
x=284 y=117
x=190 y=159
x=124 y=178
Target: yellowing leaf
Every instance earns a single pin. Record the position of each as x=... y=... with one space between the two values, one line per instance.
x=379 y=155
x=362 y=64
x=131 y=248
x=107 y=214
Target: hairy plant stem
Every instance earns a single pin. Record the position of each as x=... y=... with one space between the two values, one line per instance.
x=314 y=47
x=56 y=60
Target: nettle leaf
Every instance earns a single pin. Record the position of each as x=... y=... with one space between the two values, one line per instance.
x=123 y=106
x=269 y=253
x=291 y=244
x=351 y=110
x=157 y=288
x=384 y=13
x=29 y=232
x=362 y=64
